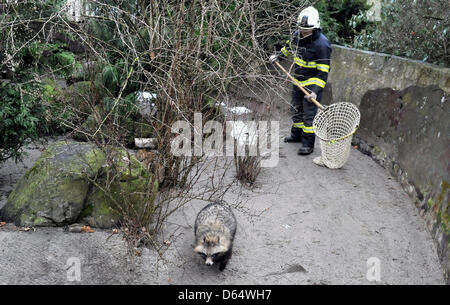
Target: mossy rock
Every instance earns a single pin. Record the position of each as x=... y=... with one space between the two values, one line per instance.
x=51 y=89
x=98 y=211
x=53 y=191
x=124 y=195
x=104 y=208
x=71 y=182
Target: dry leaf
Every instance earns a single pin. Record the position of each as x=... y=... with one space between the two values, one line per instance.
x=2 y=223
x=86 y=229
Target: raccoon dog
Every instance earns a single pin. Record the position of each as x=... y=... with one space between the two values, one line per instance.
x=215 y=228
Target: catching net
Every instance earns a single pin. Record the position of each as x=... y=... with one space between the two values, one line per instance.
x=335 y=127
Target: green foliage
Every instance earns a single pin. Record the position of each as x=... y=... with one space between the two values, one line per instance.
x=125 y=106
x=19 y=119
x=32 y=8
x=65 y=60
x=110 y=78
x=55 y=115
x=418 y=29
x=32 y=16
x=28 y=45
x=40 y=57
x=341 y=20
x=29 y=111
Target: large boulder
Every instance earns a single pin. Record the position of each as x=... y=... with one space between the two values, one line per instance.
x=53 y=191
x=68 y=184
x=107 y=201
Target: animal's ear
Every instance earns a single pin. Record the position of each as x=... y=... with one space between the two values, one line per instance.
x=222 y=248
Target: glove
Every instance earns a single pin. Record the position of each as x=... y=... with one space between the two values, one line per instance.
x=310 y=96
x=273 y=58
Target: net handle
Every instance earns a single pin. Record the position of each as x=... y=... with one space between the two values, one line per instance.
x=300 y=86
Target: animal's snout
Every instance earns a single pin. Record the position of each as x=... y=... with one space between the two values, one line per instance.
x=209 y=261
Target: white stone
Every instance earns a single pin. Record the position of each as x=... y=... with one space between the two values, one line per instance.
x=146 y=107
x=145 y=96
x=238 y=110
x=145 y=142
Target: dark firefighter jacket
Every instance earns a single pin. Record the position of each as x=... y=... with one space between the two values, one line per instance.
x=312 y=58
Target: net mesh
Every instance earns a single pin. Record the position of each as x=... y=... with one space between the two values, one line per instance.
x=335 y=127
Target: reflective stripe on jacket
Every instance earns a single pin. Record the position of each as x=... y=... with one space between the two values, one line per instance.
x=312 y=56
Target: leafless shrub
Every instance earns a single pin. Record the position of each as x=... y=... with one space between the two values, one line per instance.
x=247 y=169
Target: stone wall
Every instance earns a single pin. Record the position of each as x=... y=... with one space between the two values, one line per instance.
x=354 y=72
x=405 y=127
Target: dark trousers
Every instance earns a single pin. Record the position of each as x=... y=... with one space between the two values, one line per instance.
x=302 y=118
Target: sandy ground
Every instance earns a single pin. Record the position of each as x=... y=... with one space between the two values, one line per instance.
x=315 y=226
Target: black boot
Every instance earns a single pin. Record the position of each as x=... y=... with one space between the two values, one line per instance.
x=305 y=150
x=292 y=140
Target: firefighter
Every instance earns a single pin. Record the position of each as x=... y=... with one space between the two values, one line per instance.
x=310 y=50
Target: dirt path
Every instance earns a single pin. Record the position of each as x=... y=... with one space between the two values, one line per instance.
x=317 y=226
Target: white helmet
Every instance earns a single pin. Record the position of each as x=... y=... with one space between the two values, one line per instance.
x=308 y=19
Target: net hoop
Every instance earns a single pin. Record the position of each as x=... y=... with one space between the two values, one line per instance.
x=335 y=127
